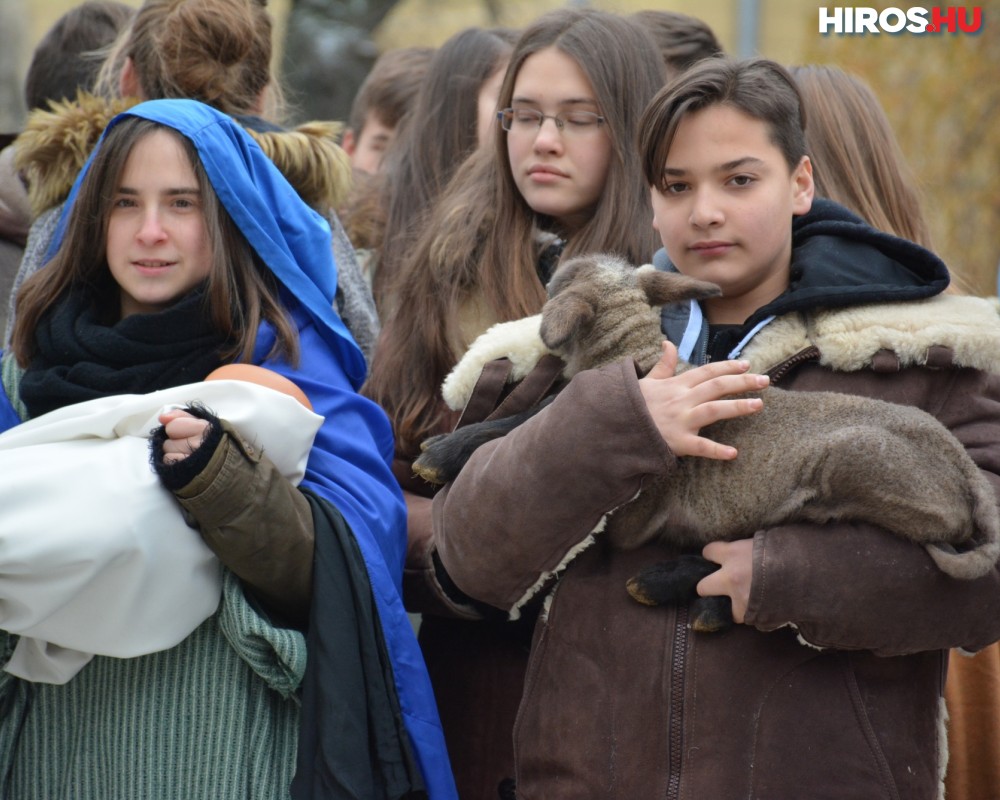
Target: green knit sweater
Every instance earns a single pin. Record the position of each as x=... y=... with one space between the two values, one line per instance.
x=214 y=718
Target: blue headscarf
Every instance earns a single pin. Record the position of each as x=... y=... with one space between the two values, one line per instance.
x=292 y=239
x=349 y=463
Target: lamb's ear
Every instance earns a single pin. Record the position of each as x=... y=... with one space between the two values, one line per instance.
x=663 y=288
x=569 y=271
x=563 y=317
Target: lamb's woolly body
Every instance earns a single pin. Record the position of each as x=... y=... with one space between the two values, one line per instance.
x=841 y=457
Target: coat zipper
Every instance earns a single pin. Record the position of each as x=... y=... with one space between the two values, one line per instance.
x=675 y=724
x=779 y=371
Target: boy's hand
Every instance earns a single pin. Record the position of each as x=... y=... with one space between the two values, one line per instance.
x=681 y=405
x=733 y=576
x=185 y=433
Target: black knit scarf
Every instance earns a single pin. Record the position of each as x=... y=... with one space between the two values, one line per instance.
x=79 y=358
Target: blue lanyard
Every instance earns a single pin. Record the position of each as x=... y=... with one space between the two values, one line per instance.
x=735 y=352
x=693 y=330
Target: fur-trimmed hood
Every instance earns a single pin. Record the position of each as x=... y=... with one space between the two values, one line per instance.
x=55 y=145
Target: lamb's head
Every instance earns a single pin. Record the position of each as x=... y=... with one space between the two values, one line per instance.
x=601 y=308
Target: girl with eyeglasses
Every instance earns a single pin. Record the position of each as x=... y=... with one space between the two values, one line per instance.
x=560 y=177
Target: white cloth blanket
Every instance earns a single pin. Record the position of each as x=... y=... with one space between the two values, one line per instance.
x=95 y=555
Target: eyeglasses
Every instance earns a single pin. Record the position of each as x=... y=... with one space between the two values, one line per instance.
x=529 y=121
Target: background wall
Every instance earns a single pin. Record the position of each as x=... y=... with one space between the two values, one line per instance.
x=942 y=93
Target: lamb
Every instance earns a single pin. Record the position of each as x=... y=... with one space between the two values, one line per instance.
x=842 y=457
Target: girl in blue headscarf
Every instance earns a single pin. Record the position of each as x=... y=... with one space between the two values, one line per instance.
x=183 y=249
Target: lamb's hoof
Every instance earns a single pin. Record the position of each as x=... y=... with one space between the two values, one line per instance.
x=429 y=464
x=669 y=582
x=711 y=614
x=428 y=443
x=637 y=589
x=676 y=581
x=442 y=458
x=428 y=472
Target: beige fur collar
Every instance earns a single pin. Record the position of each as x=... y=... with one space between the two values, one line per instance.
x=847 y=339
x=55 y=145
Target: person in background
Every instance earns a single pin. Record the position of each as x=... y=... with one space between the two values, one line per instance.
x=848 y=127
x=453 y=114
x=558 y=178
x=66 y=60
x=70 y=55
x=384 y=97
x=181 y=249
x=683 y=40
x=219 y=52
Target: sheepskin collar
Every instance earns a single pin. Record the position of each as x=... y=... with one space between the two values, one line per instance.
x=848 y=340
x=56 y=143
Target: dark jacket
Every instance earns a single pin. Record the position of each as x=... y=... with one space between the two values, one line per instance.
x=833 y=686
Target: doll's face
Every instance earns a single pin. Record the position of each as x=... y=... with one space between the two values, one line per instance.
x=559 y=173
x=158 y=243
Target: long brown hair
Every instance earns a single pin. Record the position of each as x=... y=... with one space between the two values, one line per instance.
x=855 y=156
x=477 y=258
x=241 y=292
x=436 y=135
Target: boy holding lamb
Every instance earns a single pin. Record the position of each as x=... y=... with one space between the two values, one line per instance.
x=830 y=685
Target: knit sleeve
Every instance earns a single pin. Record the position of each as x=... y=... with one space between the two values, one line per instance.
x=277 y=655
